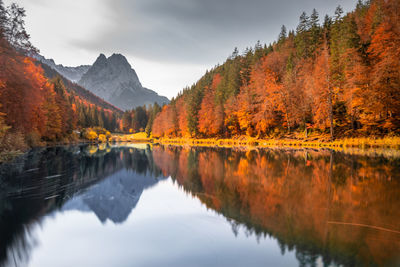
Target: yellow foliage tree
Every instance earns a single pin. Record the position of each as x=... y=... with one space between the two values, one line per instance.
x=102 y=138
x=91 y=135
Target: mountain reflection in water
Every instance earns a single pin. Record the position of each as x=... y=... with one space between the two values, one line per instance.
x=114 y=198
x=330 y=208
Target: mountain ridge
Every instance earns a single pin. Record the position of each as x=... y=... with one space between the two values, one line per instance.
x=111 y=79
x=114 y=80
x=74 y=74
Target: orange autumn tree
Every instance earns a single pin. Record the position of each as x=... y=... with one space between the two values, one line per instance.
x=231 y=121
x=53 y=123
x=323 y=91
x=246 y=110
x=279 y=80
x=302 y=74
x=165 y=122
x=210 y=113
x=384 y=53
x=22 y=94
x=263 y=83
x=182 y=123
x=357 y=95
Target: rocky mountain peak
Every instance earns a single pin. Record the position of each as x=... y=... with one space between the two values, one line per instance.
x=118 y=58
x=101 y=59
x=114 y=80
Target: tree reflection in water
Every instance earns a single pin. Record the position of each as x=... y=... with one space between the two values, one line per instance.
x=328 y=207
x=55 y=179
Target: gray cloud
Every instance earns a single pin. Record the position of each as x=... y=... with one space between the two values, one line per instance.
x=196 y=31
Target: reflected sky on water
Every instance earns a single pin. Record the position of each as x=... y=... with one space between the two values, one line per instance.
x=143 y=206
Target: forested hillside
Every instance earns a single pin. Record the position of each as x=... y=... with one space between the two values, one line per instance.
x=34 y=108
x=337 y=76
x=77 y=89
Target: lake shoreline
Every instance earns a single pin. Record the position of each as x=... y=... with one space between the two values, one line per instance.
x=317 y=141
x=10 y=155
x=388 y=142
x=241 y=142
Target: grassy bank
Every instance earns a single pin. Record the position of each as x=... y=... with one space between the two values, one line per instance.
x=134 y=138
x=241 y=142
x=316 y=141
x=387 y=142
x=15 y=144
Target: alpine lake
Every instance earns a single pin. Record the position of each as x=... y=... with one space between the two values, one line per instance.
x=143 y=205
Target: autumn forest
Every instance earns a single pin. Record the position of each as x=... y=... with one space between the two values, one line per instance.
x=338 y=76
x=331 y=77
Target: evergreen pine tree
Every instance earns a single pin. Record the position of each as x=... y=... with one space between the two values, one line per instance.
x=15 y=31
x=338 y=13
x=302 y=39
x=283 y=34
x=315 y=31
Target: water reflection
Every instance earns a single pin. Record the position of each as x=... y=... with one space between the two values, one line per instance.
x=340 y=208
x=113 y=198
x=103 y=180
x=329 y=208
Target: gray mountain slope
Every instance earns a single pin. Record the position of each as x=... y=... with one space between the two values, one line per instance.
x=74 y=74
x=114 y=80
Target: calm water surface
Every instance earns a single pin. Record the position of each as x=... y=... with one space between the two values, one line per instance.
x=163 y=206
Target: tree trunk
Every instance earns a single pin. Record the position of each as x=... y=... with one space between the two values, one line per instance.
x=288 y=122
x=306 y=133
x=330 y=89
x=305 y=126
x=331 y=113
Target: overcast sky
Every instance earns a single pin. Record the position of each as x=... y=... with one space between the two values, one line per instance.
x=170 y=43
